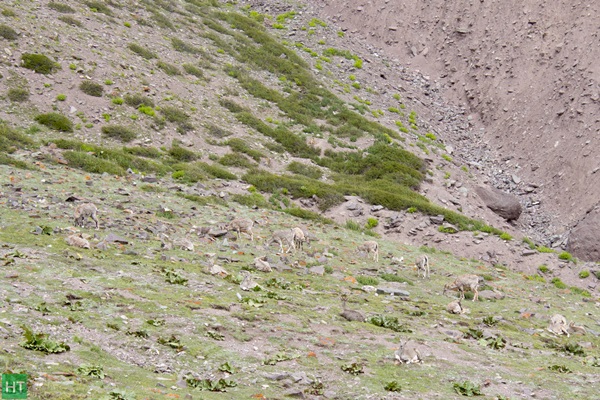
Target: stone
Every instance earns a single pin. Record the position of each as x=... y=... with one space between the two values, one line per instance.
x=583 y=239
x=393 y=291
x=504 y=204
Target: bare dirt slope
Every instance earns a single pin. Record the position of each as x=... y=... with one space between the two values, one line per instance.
x=526 y=72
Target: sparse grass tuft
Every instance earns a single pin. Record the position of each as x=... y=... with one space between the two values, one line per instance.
x=309 y=171
x=67 y=19
x=99 y=6
x=169 y=69
x=18 y=95
x=142 y=51
x=136 y=100
x=193 y=70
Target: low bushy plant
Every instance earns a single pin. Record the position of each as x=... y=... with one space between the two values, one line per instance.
x=38 y=63
x=142 y=51
x=67 y=19
x=193 y=70
x=307 y=170
x=91 y=88
x=61 y=7
x=55 y=121
x=584 y=274
x=180 y=154
x=136 y=100
x=565 y=256
x=122 y=133
x=18 y=95
x=8 y=33
x=168 y=69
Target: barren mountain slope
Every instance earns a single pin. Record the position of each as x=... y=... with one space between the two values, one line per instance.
x=528 y=73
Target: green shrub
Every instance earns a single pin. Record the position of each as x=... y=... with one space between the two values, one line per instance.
x=251 y=200
x=181 y=46
x=99 y=6
x=67 y=19
x=558 y=283
x=371 y=223
x=181 y=154
x=149 y=152
x=18 y=95
x=217 y=131
x=117 y=100
x=55 y=121
x=217 y=172
x=147 y=110
x=91 y=163
x=174 y=114
x=566 y=256
x=169 y=69
x=8 y=33
x=579 y=291
x=91 y=88
x=353 y=225
x=543 y=269
x=309 y=171
x=61 y=97
x=236 y=160
x=529 y=243
x=38 y=63
x=544 y=249
x=193 y=70
x=584 y=274
x=141 y=51
x=60 y=7
x=307 y=214
x=241 y=146
x=136 y=100
x=119 y=132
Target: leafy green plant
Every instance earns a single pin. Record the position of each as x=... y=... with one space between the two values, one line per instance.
x=61 y=97
x=505 y=236
x=55 y=121
x=353 y=368
x=385 y=321
x=563 y=369
x=353 y=225
x=280 y=356
x=489 y=321
x=136 y=100
x=580 y=291
x=91 y=88
x=40 y=342
x=140 y=333
x=99 y=6
x=215 y=335
x=172 y=342
x=543 y=269
x=573 y=348
x=496 y=343
x=213 y=385
x=173 y=277
x=18 y=95
x=393 y=386
x=95 y=371
x=544 y=249
x=193 y=70
x=371 y=223
x=38 y=63
x=467 y=388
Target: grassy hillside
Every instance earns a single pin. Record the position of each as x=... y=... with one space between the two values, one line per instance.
x=176 y=117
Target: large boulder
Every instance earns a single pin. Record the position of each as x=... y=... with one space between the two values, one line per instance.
x=505 y=205
x=583 y=239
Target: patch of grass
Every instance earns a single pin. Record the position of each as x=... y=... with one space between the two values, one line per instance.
x=241 y=146
x=181 y=154
x=67 y=19
x=543 y=269
x=18 y=95
x=61 y=97
x=184 y=47
x=91 y=88
x=136 y=100
x=251 y=200
x=353 y=225
x=584 y=274
x=55 y=121
x=193 y=70
x=98 y=6
x=122 y=133
x=141 y=51
x=40 y=342
x=565 y=256
x=467 y=388
x=308 y=215
x=236 y=160
x=529 y=243
x=217 y=131
x=367 y=280
x=91 y=163
x=61 y=7
x=580 y=291
x=38 y=63
x=558 y=283
x=544 y=249
x=174 y=114
x=8 y=33
x=168 y=69
x=505 y=236
x=310 y=171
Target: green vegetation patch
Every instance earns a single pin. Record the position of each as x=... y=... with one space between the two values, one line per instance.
x=141 y=51
x=39 y=63
x=91 y=88
x=55 y=121
x=18 y=95
x=122 y=133
x=8 y=33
